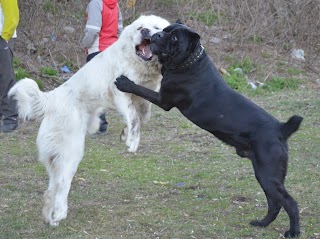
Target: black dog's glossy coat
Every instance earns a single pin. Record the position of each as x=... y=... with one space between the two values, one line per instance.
x=192 y=83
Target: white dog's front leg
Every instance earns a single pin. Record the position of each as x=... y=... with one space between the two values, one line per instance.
x=128 y=110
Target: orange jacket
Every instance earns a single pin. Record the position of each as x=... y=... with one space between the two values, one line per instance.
x=104 y=23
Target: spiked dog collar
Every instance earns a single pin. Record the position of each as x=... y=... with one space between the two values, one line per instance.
x=194 y=56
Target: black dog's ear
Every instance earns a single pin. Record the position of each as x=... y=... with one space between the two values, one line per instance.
x=194 y=40
x=194 y=35
x=179 y=21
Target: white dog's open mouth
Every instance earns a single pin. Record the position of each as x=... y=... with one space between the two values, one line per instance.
x=143 y=50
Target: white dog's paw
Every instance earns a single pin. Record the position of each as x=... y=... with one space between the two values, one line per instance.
x=55 y=217
x=53 y=224
x=133 y=149
x=52 y=215
x=60 y=212
x=133 y=144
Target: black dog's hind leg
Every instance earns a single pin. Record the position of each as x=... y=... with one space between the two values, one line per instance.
x=273 y=211
x=270 y=165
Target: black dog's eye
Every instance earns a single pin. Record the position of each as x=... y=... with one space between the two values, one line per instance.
x=174 y=38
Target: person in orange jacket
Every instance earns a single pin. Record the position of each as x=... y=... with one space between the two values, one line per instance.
x=9 y=19
x=103 y=26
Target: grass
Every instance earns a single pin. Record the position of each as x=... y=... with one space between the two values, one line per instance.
x=237 y=78
x=48 y=71
x=280 y=83
x=207 y=17
x=50 y=7
x=182 y=182
x=21 y=73
x=295 y=71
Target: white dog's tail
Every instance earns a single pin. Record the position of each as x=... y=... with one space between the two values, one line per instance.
x=31 y=101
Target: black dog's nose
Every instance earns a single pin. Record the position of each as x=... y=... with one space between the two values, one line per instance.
x=156 y=36
x=145 y=32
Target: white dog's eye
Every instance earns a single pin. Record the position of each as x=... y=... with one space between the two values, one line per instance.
x=157 y=28
x=139 y=28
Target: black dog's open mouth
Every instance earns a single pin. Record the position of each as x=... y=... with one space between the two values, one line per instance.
x=143 y=50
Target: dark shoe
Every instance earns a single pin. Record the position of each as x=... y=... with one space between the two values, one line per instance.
x=7 y=128
x=103 y=128
x=103 y=125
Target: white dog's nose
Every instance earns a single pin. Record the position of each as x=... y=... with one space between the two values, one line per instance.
x=145 y=32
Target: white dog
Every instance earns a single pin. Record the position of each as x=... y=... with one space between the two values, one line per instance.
x=72 y=110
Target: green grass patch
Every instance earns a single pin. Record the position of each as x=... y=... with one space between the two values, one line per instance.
x=209 y=18
x=294 y=71
x=50 y=7
x=265 y=54
x=245 y=64
x=281 y=83
x=20 y=73
x=237 y=78
x=48 y=71
x=237 y=81
x=237 y=71
x=256 y=39
x=182 y=182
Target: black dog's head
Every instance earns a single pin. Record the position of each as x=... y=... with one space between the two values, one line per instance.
x=174 y=44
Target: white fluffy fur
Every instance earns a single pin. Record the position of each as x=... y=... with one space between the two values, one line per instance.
x=72 y=110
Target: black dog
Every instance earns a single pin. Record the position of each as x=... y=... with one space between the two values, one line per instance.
x=193 y=85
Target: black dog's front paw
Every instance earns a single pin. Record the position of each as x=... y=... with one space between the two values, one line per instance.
x=124 y=84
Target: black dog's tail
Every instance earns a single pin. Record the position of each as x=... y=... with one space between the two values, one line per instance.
x=291 y=126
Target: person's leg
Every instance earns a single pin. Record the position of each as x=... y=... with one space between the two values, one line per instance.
x=9 y=112
x=8 y=105
x=103 y=123
x=11 y=44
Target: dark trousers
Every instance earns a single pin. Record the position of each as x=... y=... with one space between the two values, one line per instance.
x=8 y=107
x=90 y=56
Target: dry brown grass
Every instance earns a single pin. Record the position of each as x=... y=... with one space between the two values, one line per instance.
x=249 y=26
